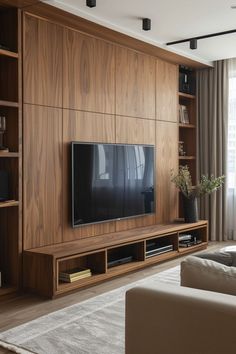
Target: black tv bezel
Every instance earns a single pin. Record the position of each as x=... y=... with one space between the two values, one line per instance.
x=74 y=226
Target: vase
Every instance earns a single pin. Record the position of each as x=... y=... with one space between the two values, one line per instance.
x=190 y=209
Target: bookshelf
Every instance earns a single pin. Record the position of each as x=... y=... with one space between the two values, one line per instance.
x=187 y=136
x=10 y=159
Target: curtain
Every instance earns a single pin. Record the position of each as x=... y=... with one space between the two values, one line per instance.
x=212 y=121
x=231 y=168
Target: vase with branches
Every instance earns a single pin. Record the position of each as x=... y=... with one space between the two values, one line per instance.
x=206 y=186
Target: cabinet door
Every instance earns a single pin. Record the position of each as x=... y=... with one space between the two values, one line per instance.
x=89 y=73
x=135 y=84
x=42 y=62
x=166 y=160
x=166 y=91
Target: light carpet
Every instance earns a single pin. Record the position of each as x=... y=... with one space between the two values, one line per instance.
x=92 y=326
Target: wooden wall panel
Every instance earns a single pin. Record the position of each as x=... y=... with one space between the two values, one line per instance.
x=166 y=159
x=166 y=91
x=135 y=130
x=42 y=163
x=135 y=84
x=42 y=62
x=89 y=73
x=86 y=127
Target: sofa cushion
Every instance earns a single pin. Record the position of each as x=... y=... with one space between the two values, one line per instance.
x=232 y=251
x=208 y=275
x=220 y=257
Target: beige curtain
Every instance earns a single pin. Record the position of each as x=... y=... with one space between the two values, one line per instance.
x=212 y=119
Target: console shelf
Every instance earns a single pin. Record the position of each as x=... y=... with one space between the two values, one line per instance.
x=125 y=251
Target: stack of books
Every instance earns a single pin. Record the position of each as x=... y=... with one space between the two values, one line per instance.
x=69 y=276
x=183 y=114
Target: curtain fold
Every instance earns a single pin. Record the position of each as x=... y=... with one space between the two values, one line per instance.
x=212 y=128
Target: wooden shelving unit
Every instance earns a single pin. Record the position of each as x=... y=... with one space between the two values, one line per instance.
x=43 y=265
x=10 y=107
x=187 y=135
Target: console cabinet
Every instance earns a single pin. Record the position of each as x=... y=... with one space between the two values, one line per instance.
x=107 y=256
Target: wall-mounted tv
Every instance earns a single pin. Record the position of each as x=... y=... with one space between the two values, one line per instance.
x=111 y=181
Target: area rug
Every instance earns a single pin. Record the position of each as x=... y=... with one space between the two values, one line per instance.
x=92 y=326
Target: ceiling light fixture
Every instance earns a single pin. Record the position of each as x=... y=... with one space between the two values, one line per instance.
x=193 y=41
x=146 y=24
x=91 y=3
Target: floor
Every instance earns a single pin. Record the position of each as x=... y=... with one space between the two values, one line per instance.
x=26 y=308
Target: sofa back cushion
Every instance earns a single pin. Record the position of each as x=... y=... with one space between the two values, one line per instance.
x=208 y=275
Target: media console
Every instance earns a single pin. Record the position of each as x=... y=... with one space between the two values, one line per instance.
x=107 y=255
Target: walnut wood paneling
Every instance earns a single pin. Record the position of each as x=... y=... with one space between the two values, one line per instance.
x=86 y=127
x=42 y=163
x=166 y=91
x=86 y=26
x=166 y=160
x=42 y=62
x=89 y=73
x=135 y=130
x=135 y=84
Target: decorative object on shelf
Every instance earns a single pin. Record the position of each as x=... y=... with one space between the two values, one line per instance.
x=190 y=193
x=2 y=131
x=187 y=82
x=181 y=149
x=74 y=274
x=183 y=114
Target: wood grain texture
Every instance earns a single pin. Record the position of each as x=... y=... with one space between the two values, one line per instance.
x=88 y=73
x=166 y=91
x=72 y=21
x=77 y=253
x=84 y=127
x=42 y=62
x=42 y=165
x=135 y=84
x=166 y=160
x=135 y=131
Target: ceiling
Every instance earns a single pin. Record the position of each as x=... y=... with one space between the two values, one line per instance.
x=171 y=20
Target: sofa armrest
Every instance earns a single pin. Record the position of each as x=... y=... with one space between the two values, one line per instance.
x=171 y=319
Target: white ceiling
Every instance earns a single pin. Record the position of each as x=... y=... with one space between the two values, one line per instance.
x=171 y=20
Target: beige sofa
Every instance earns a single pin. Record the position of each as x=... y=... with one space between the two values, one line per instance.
x=172 y=319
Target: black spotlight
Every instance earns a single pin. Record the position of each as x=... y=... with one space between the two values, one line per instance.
x=193 y=43
x=146 y=24
x=91 y=3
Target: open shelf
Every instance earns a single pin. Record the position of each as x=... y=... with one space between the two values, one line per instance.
x=9 y=154
x=9 y=54
x=187 y=126
x=9 y=203
x=186 y=95
x=6 y=290
x=193 y=248
x=5 y=103
x=187 y=157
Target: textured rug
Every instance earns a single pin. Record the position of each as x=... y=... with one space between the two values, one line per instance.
x=92 y=326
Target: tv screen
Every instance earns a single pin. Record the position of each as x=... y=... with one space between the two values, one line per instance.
x=111 y=181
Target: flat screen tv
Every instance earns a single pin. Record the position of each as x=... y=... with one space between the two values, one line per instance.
x=111 y=181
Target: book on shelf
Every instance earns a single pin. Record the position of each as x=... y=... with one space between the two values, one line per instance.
x=74 y=278
x=183 y=114
x=75 y=272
